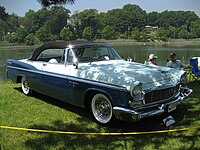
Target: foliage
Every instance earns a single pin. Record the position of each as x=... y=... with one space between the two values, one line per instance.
x=3 y=28
x=160 y=34
x=196 y=28
x=172 y=32
x=135 y=34
x=43 y=34
x=33 y=21
x=3 y=14
x=21 y=34
x=130 y=21
x=152 y=18
x=85 y=19
x=11 y=38
x=58 y=19
x=108 y=33
x=114 y=18
x=30 y=39
x=66 y=34
x=87 y=33
x=13 y=22
x=48 y=3
x=133 y=16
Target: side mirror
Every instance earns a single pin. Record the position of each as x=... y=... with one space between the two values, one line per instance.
x=129 y=59
x=75 y=63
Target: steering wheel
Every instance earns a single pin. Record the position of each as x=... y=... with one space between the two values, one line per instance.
x=103 y=57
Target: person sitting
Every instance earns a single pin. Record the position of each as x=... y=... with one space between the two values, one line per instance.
x=174 y=63
x=177 y=64
x=152 y=60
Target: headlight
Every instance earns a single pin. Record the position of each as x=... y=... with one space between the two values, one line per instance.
x=136 y=90
x=183 y=78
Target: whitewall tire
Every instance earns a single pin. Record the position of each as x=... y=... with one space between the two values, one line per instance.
x=101 y=108
x=25 y=86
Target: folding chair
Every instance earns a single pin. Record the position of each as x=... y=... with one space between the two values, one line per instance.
x=195 y=71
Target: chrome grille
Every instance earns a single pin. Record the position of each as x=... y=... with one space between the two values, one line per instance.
x=160 y=94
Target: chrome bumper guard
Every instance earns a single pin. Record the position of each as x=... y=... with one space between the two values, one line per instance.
x=132 y=115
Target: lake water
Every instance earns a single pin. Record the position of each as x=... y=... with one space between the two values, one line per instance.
x=137 y=53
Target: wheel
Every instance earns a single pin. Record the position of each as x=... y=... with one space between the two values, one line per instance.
x=101 y=108
x=25 y=87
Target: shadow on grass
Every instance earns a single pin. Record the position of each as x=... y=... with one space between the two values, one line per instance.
x=64 y=141
x=186 y=114
x=78 y=110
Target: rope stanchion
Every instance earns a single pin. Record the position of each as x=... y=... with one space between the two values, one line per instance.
x=93 y=133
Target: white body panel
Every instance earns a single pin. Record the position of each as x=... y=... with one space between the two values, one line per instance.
x=117 y=72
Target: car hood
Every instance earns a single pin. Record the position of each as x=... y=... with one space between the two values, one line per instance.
x=127 y=74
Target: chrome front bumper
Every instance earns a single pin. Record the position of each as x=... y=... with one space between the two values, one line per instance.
x=133 y=115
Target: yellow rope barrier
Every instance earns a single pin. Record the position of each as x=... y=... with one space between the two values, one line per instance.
x=92 y=133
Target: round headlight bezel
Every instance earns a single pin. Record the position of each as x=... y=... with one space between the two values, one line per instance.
x=183 y=78
x=136 y=90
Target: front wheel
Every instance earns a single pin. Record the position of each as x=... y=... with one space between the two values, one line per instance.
x=25 y=87
x=102 y=109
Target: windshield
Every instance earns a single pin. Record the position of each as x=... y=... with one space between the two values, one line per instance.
x=95 y=53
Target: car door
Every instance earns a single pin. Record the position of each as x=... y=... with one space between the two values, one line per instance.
x=75 y=84
x=52 y=79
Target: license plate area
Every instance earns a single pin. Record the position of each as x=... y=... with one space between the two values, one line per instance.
x=169 y=121
x=172 y=107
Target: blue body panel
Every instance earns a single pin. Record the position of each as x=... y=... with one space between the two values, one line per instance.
x=63 y=87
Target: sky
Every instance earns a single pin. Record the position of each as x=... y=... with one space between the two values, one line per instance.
x=20 y=7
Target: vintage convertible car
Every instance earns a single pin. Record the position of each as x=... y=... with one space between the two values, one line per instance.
x=93 y=76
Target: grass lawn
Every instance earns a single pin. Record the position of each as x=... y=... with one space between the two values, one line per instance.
x=41 y=112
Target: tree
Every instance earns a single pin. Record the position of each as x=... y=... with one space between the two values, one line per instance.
x=54 y=20
x=88 y=18
x=152 y=18
x=30 y=39
x=87 y=33
x=58 y=19
x=195 y=29
x=108 y=33
x=115 y=19
x=134 y=16
x=183 y=33
x=176 y=18
x=75 y=23
x=135 y=34
x=48 y=3
x=21 y=34
x=11 y=38
x=172 y=32
x=160 y=34
x=43 y=34
x=33 y=21
x=3 y=29
x=66 y=34
x=13 y=22
x=3 y=14
x=144 y=36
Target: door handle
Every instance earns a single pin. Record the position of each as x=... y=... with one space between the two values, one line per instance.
x=74 y=83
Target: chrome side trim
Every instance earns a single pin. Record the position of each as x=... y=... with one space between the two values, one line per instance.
x=96 y=83
x=38 y=72
x=76 y=79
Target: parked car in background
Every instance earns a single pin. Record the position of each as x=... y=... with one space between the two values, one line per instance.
x=93 y=76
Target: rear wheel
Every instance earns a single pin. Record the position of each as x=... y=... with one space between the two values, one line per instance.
x=25 y=86
x=102 y=109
